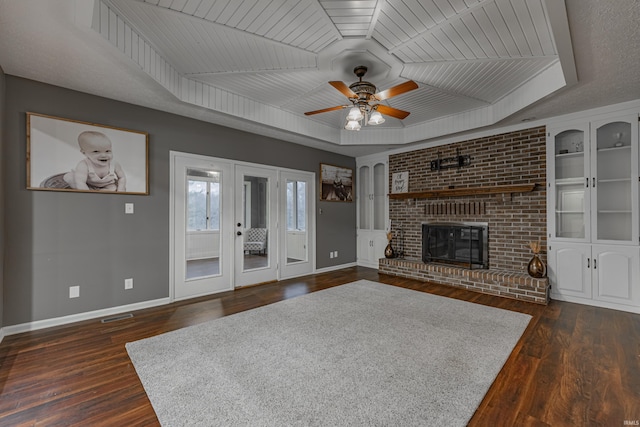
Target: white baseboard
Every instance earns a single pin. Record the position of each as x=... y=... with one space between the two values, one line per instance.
x=64 y=320
x=333 y=268
x=368 y=264
x=596 y=303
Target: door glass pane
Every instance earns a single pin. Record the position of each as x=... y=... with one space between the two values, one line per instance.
x=570 y=184
x=197 y=205
x=214 y=206
x=296 y=244
x=301 y=205
x=256 y=213
x=613 y=187
x=203 y=224
x=291 y=206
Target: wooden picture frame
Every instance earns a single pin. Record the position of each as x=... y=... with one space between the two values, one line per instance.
x=336 y=183
x=400 y=182
x=70 y=155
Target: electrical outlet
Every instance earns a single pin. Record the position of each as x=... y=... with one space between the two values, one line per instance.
x=74 y=291
x=331 y=254
x=335 y=254
x=128 y=283
x=128 y=208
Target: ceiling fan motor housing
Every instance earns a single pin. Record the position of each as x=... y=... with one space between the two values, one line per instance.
x=364 y=90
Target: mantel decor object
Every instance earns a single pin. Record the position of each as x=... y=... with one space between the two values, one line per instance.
x=450 y=162
x=400 y=182
x=536 y=267
x=388 y=251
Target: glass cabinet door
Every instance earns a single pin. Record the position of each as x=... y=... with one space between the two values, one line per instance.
x=570 y=182
x=614 y=169
x=379 y=195
x=364 y=197
x=372 y=182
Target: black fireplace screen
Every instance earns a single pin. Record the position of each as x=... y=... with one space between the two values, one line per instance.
x=461 y=244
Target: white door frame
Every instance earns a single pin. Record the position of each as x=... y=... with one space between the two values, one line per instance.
x=182 y=288
x=267 y=272
x=311 y=267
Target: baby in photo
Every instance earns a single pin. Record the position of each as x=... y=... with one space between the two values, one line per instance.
x=97 y=171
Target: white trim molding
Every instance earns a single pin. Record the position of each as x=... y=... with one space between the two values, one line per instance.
x=334 y=268
x=73 y=318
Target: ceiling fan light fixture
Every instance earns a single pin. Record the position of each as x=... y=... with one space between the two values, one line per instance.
x=375 y=118
x=352 y=125
x=364 y=97
x=355 y=115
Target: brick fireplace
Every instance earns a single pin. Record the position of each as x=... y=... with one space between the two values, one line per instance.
x=514 y=219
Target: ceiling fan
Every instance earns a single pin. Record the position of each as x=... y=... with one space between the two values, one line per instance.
x=366 y=102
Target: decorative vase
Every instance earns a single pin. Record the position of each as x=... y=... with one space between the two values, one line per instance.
x=389 y=252
x=536 y=267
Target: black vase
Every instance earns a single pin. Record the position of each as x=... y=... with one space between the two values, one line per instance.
x=536 y=267
x=389 y=252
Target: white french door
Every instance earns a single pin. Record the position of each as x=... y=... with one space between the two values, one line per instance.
x=236 y=224
x=256 y=225
x=296 y=223
x=202 y=226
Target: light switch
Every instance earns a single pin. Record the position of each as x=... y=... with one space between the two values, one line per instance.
x=128 y=208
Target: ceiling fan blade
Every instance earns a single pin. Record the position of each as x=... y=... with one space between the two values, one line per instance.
x=342 y=87
x=396 y=90
x=393 y=112
x=324 y=110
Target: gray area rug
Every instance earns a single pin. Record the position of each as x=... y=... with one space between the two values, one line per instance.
x=361 y=354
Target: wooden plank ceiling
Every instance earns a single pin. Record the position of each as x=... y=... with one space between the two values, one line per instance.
x=465 y=55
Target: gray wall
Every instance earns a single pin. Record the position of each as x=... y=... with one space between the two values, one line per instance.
x=57 y=239
x=2 y=204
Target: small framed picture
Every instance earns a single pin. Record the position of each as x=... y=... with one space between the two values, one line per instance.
x=70 y=155
x=400 y=182
x=336 y=183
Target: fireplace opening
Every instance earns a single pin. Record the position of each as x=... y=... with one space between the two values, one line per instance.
x=462 y=244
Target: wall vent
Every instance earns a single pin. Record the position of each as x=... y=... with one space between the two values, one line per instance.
x=116 y=318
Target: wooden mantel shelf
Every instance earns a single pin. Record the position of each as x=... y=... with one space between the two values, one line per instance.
x=460 y=192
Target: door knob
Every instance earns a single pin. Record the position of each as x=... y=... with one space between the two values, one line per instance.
x=239 y=233
x=239 y=225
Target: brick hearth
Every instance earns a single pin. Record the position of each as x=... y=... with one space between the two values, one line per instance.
x=509 y=284
x=514 y=219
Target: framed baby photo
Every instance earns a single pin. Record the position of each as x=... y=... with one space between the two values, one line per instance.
x=336 y=183
x=70 y=155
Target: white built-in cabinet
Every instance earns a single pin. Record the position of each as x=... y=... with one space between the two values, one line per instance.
x=372 y=179
x=601 y=273
x=593 y=222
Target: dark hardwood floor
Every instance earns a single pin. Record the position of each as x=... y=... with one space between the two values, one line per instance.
x=574 y=366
